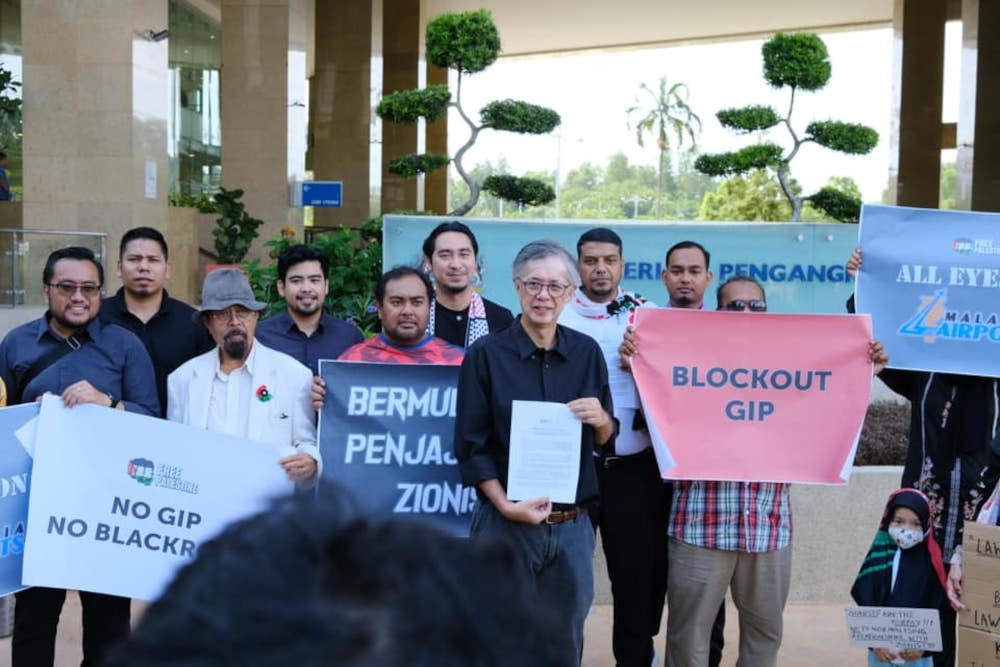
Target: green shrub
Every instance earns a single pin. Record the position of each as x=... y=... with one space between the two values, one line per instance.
x=885 y=435
x=355 y=268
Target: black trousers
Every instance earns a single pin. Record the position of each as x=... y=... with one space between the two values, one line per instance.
x=635 y=511
x=947 y=657
x=36 y=615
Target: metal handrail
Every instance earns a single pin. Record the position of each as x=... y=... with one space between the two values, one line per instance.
x=20 y=249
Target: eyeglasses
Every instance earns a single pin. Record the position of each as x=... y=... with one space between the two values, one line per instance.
x=238 y=313
x=534 y=288
x=68 y=289
x=739 y=304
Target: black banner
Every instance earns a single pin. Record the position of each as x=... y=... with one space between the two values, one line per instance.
x=386 y=433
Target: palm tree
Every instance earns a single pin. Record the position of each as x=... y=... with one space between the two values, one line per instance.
x=669 y=112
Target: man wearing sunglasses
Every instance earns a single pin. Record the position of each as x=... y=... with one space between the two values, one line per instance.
x=69 y=352
x=731 y=535
x=242 y=388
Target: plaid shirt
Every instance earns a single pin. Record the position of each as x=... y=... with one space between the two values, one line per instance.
x=733 y=516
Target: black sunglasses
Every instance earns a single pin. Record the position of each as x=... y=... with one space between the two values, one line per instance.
x=739 y=304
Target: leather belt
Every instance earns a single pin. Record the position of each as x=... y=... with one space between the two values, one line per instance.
x=562 y=516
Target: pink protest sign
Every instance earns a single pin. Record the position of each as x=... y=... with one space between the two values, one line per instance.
x=753 y=396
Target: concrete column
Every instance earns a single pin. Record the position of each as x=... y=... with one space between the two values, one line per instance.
x=95 y=117
x=978 y=133
x=402 y=38
x=915 y=167
x=263 y=89
x=341 y=121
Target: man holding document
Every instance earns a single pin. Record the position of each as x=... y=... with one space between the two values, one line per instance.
x=533 y=403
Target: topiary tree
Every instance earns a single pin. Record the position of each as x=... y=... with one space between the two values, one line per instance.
x=798 y=61
x=468 y=42
x=235 y=229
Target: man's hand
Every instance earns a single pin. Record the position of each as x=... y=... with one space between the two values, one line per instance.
x=590 y=411
x=955 y=587
x=854 y=263
x=84 y=392
x=318 y=393
x=911 y=654
x=528 y=511
x=877 y=355
x=627 y=350
x=299 y=467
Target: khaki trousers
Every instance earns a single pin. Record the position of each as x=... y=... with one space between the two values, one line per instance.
x=697 y=582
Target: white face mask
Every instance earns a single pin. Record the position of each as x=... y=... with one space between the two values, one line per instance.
x=906 y=537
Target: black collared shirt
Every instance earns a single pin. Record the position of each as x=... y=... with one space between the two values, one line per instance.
x=171 y=336
x=108 y=357
x=332 y=336
x=507 y=366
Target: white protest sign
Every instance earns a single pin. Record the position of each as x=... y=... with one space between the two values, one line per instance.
x=894 y=628
x=119 y=501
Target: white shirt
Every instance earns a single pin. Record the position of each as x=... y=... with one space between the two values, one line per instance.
x=609 y=332
x=229 y=401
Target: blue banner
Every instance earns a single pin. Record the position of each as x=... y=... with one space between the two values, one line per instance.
x=15 y=480
x=930 y=280
x=385 y=433
x=800 y=265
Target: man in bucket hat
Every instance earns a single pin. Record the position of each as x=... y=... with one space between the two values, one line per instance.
x=241 y=387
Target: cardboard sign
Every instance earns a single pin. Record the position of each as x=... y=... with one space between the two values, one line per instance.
x=979 y=624
x=753 y=396
x=978 y=649
x=981 y=578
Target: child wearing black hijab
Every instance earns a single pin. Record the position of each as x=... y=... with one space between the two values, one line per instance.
x=903 y=568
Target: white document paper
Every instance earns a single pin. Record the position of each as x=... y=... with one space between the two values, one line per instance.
x=544 y=452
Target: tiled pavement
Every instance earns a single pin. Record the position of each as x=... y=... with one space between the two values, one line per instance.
x=815 y=636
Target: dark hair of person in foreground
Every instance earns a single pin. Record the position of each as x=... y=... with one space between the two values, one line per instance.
x=308 y=584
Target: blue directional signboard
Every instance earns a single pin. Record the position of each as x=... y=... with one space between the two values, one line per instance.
x=323 y=193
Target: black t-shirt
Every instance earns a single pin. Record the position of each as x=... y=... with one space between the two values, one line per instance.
x=171 y=337
x=452 y=325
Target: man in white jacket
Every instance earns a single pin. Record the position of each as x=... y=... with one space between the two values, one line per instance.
x=242 y=388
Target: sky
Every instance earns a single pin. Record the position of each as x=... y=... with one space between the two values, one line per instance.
x=592 y=90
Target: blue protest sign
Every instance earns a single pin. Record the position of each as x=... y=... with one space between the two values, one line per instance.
x=930 y=280
x=386 y=432
x=15 y=480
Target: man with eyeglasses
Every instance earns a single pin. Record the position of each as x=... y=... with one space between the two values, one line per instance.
x=142 y=305
x=70 y=352
x=241 y=387
x=536 y=359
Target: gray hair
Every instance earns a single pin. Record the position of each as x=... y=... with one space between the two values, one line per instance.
x=542 y=249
